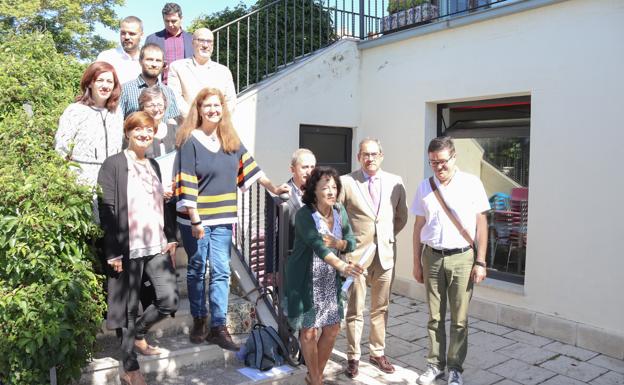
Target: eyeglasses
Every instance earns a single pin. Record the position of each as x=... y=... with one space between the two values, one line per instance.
x=371 y=155
x=204 y=41
x=155 y=105
x=436 y=163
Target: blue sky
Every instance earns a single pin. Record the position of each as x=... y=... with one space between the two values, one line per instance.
x=149 y=12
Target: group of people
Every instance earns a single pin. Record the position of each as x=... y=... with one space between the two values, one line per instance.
x=347 y=226
x=139 y=105
x=118 y=133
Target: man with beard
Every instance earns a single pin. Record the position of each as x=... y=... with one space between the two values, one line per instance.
x=173 y=40
x=189 y=76
x=152 y=63
x=125 y=59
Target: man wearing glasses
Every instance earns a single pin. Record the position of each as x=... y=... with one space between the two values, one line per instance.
x=444 y=257
x=189 y=76
x=377 y=209
x=152 y=63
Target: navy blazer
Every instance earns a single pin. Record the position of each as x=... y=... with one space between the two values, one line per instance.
x=158 y=38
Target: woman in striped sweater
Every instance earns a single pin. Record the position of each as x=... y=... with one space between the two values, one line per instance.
x=211 y=165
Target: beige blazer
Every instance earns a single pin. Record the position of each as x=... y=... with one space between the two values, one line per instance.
x=369 y=227
x=186 y=78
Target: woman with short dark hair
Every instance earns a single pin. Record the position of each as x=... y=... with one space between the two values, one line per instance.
x=313 y=271
x=153 y=101
x=139 y=237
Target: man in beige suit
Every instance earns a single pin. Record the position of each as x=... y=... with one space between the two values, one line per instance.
x=376 y=206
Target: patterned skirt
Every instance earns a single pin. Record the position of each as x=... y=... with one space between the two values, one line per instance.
x=325 y=311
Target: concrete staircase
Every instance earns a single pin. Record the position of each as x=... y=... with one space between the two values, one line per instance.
x=181 y=361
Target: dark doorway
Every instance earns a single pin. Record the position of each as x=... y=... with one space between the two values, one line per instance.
x=330 y=145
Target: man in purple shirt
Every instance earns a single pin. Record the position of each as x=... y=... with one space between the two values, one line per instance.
x=175 y=43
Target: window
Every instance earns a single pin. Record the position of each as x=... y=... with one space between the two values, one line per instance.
x=492 y=139
x=330 y=145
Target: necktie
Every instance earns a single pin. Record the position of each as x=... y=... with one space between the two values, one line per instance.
x=373 y=193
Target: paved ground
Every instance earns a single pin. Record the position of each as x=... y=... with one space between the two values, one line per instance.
x=496 y=355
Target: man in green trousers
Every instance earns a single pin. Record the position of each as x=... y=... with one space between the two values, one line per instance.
x=450 y=211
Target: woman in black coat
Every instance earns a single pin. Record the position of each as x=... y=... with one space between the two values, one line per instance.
x=139 y=236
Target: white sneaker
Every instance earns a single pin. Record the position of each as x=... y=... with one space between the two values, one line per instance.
x=431 y=374
x=455 y=377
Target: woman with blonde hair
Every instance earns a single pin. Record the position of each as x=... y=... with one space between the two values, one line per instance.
x=210 y=166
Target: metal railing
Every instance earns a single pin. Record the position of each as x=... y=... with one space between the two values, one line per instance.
x=261 y=240
x=276 y=35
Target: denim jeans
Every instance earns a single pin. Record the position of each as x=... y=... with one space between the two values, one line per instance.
x=161 y=273
x=213 y=249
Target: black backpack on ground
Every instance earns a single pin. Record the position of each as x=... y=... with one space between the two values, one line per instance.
x=265 y=349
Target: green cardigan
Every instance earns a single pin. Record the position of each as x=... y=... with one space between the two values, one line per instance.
x=309 y=241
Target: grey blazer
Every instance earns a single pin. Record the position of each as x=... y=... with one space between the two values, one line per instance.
x=294 y=204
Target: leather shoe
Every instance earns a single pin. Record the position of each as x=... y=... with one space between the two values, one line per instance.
x=143 y=348
x=132 y=378
x=219 y=335
x=382 y=364
x=352 y=368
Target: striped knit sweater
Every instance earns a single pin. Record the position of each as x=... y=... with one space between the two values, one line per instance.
x=208 y=181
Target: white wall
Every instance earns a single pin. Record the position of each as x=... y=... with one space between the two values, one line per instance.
x=321 y=90
x=568 y=57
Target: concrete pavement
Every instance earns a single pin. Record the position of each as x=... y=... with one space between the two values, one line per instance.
x=496 y=355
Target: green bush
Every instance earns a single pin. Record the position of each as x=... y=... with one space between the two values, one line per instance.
x=395 y=6
x=51 y=301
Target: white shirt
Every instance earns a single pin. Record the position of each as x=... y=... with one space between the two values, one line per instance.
x=464 y=195
x=126 y=67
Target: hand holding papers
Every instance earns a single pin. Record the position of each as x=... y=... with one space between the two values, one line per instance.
x=368 y=254
x=165 y=162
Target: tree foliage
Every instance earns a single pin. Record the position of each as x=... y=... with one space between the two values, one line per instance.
x=276 y=34
x=51 y=302
x=71 y=22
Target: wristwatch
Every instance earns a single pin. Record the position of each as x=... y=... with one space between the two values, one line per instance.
x=479 y=263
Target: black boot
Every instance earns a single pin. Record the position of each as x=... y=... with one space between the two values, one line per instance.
x=198 y=333
x=219 y=335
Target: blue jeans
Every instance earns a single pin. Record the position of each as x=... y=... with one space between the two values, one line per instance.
x=214 y=249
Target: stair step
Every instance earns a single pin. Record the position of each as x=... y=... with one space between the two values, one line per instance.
x=181 y=360
x=224 y=376
x=238 y=321
x=178 y=352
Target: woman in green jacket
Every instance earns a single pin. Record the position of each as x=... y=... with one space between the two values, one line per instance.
x=313 y=271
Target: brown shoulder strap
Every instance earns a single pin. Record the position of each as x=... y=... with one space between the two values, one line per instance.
x=449 y=213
